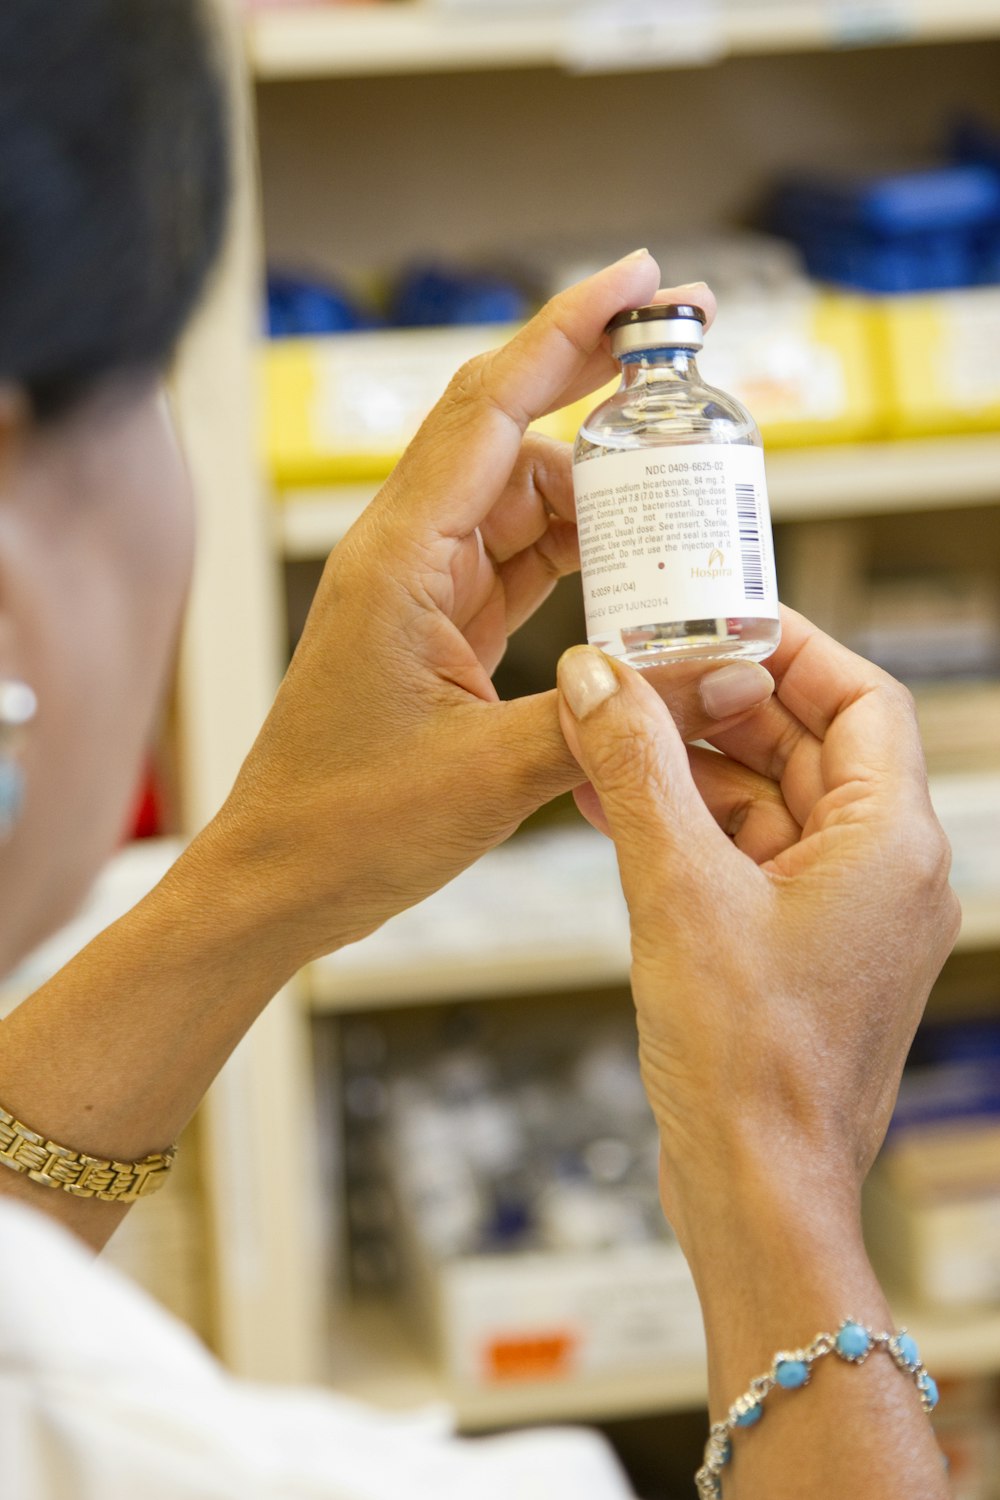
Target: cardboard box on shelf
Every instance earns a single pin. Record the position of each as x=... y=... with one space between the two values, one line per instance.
x=940 y=1248
x=932 y=1207
x=497 y=1319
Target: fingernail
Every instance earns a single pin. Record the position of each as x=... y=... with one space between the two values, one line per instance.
x=692 y=286
x=732 y=690
x=636 y=254
x=586 y=679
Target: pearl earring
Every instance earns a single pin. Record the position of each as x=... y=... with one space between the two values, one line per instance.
x=18 y=706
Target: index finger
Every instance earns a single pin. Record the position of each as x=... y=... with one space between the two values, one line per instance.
x=835 y=718
x=456 y=467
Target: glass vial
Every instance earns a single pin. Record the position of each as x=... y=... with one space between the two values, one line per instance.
x=671 y=502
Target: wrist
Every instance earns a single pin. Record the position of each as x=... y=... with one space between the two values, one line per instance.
x=776 y=1251
x=778 y=1260
x=748 y=1184
x=265 y=895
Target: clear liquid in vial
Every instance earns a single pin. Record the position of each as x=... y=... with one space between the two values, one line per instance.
x=675 y=532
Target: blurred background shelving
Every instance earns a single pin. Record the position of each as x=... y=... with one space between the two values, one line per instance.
x=815 y=482
x=487 y=139
x=496 y=142
x=376 y=1361
x=343 y=41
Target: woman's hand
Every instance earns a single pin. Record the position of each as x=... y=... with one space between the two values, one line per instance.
x=388 y=763
x=385 y=767
x=789 y=902
x=790 y=911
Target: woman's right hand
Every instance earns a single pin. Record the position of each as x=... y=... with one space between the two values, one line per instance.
x=790 y=911
x=789 y=903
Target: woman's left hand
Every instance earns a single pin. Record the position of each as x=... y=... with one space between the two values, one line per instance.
x=388 y=763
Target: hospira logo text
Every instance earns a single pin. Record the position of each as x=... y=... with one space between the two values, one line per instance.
x=716 y=566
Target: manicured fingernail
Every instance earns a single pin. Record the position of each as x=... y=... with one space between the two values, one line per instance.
x=586 y=679
x=732 y=690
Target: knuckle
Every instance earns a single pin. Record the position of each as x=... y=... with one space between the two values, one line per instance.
x=630 y=776
x=469 y=381
x=782 y=749
x=929 y=856
x=557 y=556
x=554 y=317
x=952 y=916
x=477 y=383
x=621 y=759
x=688 y=713
x=904 y=698
x=903 y=703
x=891 y=689
x=611 y=760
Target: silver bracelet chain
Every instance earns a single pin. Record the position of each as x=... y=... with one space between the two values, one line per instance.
x=791 y=1369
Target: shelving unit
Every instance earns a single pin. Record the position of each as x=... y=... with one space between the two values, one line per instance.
x=390 y=131
x=844 y=479
x=422 y=37
x=542 y=913
x=263 y=1235
x=373 y=1360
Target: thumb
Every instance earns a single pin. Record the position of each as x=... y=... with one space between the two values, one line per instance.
x=539 y=760
x=623 y=738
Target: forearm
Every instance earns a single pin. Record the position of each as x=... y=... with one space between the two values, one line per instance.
x=114 y=1054
x=777 y=1260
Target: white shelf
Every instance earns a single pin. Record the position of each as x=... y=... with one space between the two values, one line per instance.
x=375 y=1360
x=343 y=41
x=541 y=913
x=506 y=973
x=843 y=479
x=545 y=913
x=310 y=522
x=853 y=479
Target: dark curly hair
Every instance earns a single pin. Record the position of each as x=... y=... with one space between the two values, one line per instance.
x=113 y=187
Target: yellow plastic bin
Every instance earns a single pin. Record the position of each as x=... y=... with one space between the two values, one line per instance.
x=939 y=354
x=803 y=363
x=341 y=409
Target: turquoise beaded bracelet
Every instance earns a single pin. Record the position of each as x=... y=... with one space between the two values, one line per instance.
x=790 y=1370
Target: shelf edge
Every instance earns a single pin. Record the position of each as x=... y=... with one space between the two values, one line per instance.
x=309 y=42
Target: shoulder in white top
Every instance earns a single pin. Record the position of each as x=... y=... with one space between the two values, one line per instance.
x=104 y=1396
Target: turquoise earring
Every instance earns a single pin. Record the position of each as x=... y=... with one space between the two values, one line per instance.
x=18 y=706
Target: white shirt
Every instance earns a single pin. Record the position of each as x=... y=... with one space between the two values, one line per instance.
x=104 y=1396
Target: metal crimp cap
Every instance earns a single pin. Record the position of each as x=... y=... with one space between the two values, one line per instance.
x=664 y=325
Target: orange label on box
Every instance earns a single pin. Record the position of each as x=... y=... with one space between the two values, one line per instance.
x=534 y=1357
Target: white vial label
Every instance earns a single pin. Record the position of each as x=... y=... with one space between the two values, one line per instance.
x=674 y=534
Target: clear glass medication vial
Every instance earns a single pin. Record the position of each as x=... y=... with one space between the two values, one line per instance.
x=671 y=503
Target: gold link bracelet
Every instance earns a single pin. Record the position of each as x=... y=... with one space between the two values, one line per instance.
x=52 y=1165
